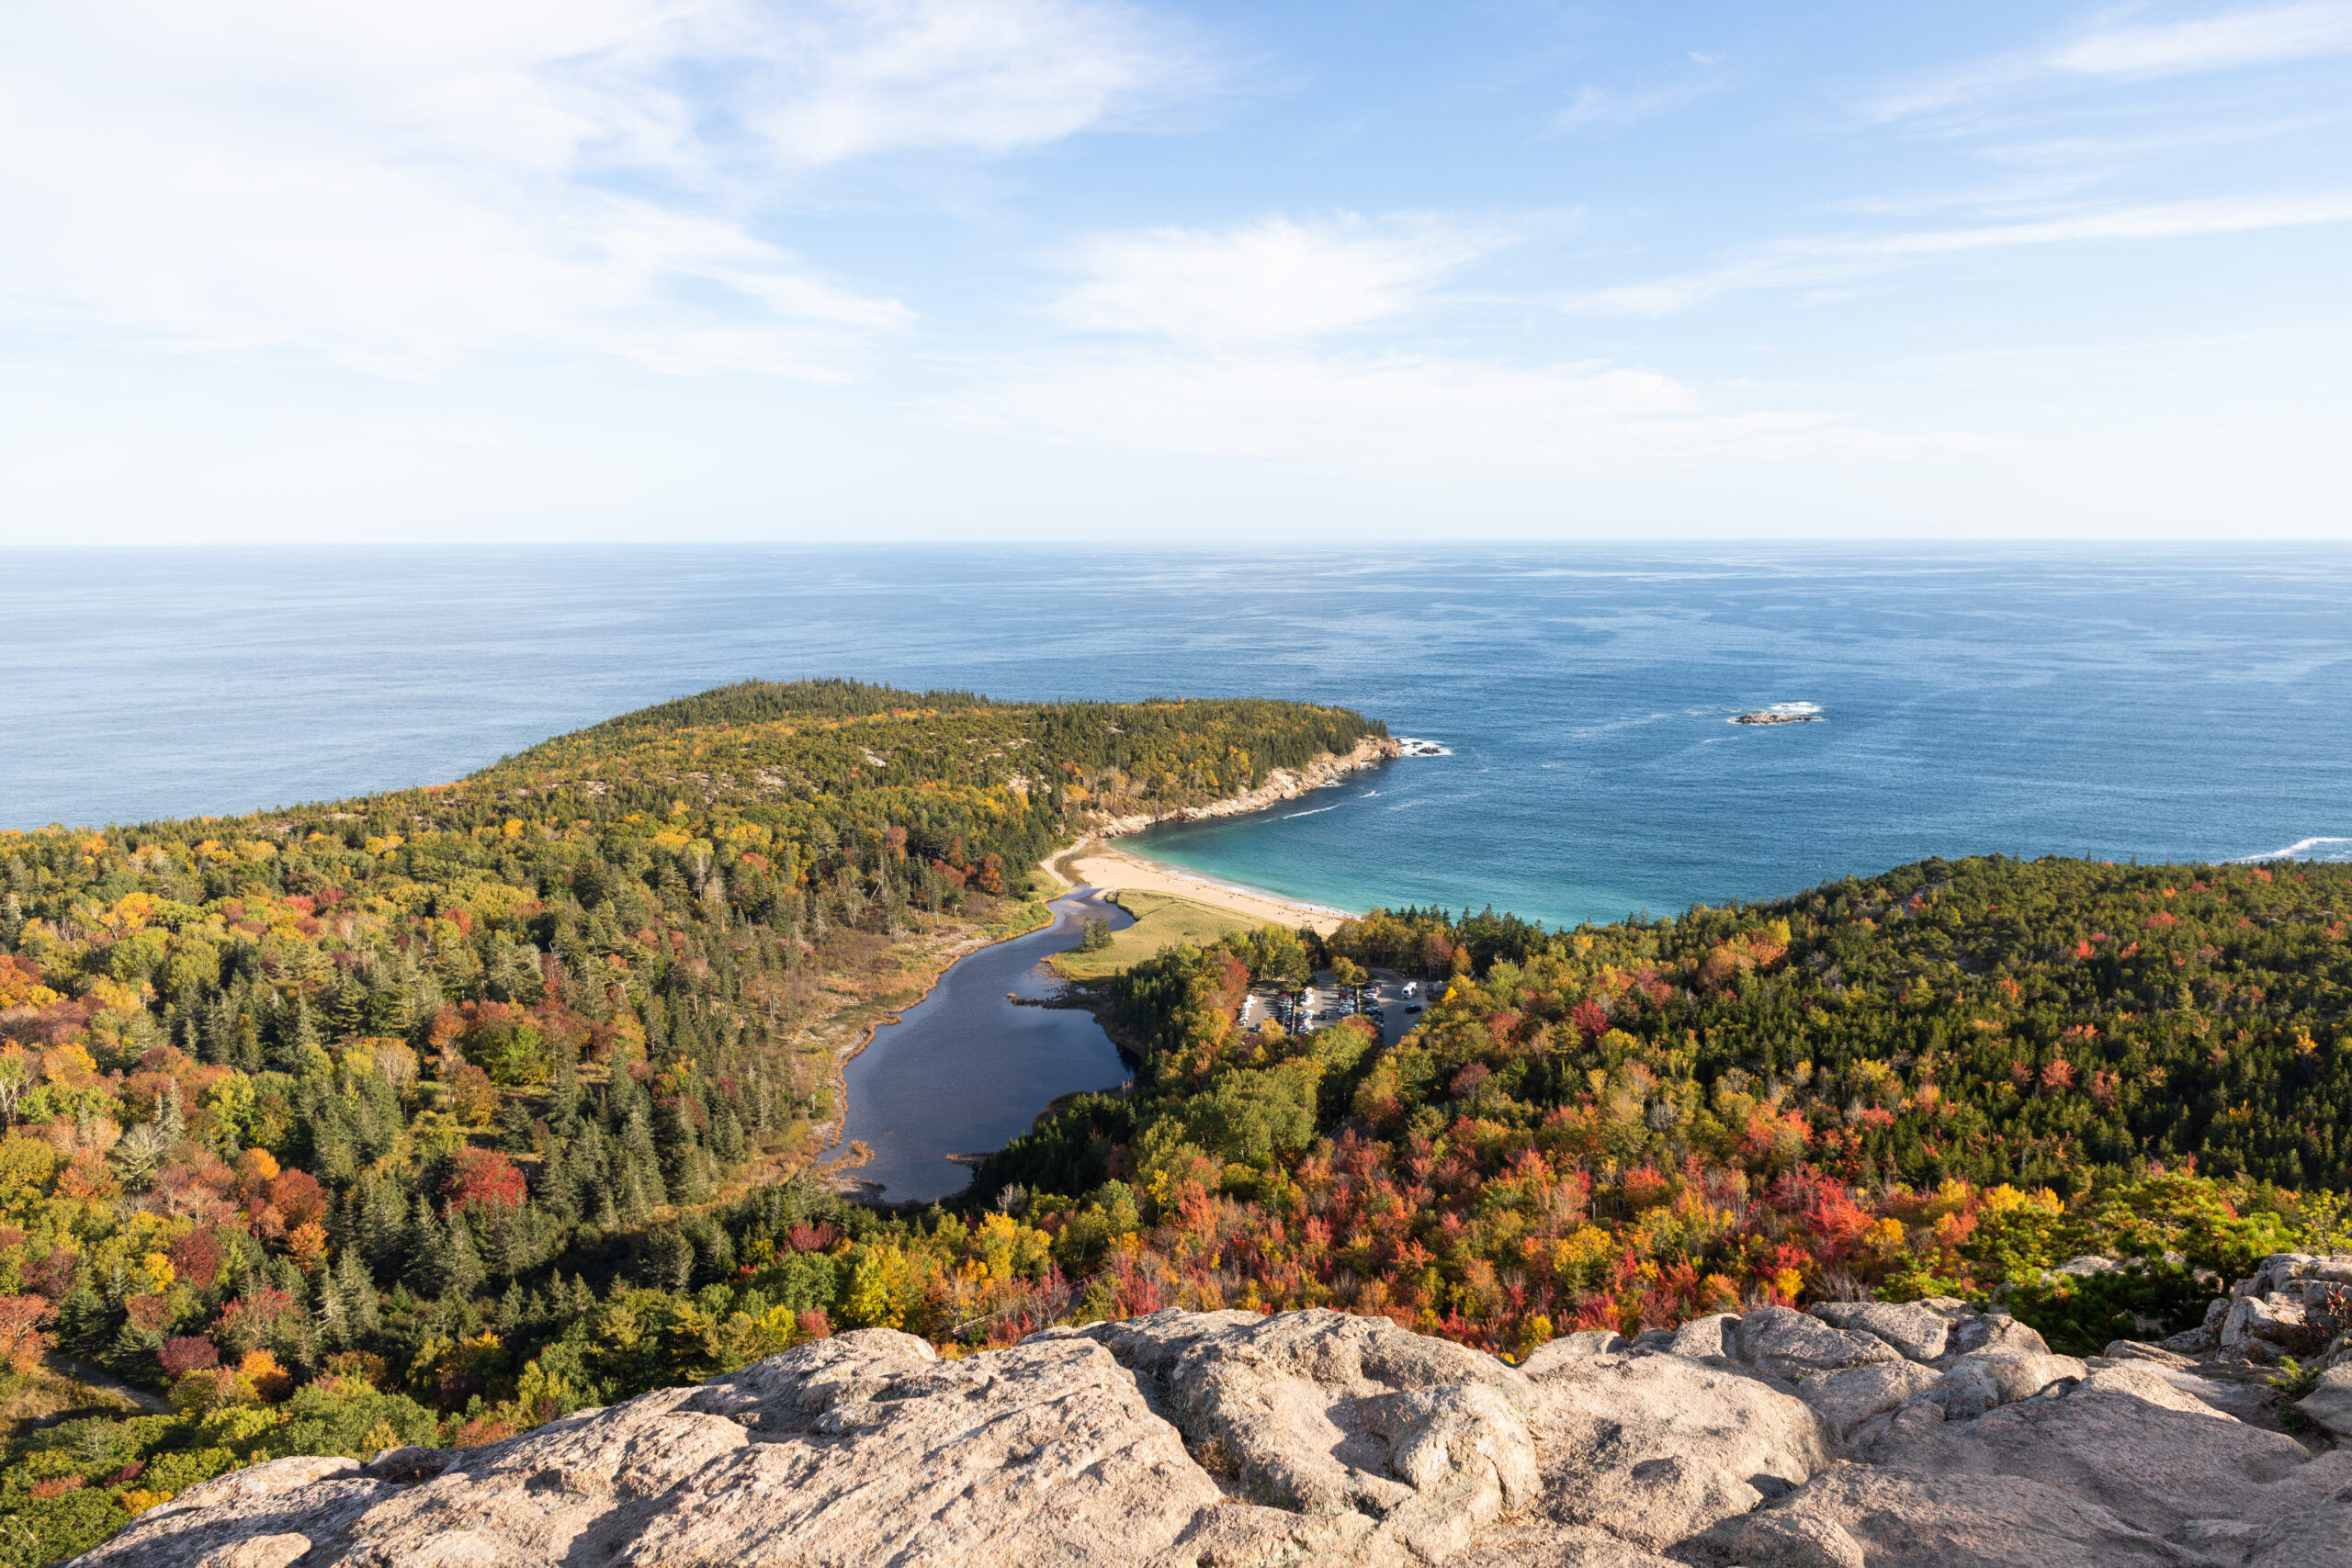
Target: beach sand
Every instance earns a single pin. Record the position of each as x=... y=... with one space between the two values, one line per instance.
x=1100 y=865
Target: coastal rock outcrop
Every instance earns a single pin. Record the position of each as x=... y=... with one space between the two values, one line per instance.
x=1853 y=1434
x=1282 y=783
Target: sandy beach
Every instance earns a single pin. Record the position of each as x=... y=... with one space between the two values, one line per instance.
x=1098 y=864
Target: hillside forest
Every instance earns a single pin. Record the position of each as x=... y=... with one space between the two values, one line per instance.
x=427 y=1118
x=323 y=1122
x=1943 y=1080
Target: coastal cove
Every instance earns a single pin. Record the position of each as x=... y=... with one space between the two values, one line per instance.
x=2163 y=705
x=996 y=1039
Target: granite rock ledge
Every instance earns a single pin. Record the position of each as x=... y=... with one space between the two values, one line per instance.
x=1852 y=1436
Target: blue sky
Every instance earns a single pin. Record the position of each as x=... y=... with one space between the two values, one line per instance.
x=1074 y=269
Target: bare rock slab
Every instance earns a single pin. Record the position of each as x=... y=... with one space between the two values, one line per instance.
x=1855 y=1517
x=1653 y=1449
x=1315 y=1439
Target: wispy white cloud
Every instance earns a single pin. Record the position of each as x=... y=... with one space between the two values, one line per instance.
x=395 y=187
x=1421 y=418
x=1269 y=281
x=2209 y=43
x=2079 y=153
x=2114 y=51
x=992 y=76
x=1818 y=262
x=1606 y=105
x=1595 y=106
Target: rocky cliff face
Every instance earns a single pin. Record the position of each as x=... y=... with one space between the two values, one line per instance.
x=1852 y=1436
x=1282 y=783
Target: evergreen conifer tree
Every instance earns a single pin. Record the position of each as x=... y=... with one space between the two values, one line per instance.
x=427 y=1244
x=636 y=1202
x=334 y=1322
x=245 y=1044
x=357 y=1292
x=459 y=1266
x=296 y=1033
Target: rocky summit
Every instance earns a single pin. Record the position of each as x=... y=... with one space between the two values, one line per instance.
x=1853 y=1434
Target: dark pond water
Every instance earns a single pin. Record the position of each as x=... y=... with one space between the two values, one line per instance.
x=965 y=1071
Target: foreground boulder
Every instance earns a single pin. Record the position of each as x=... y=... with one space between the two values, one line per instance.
x=1853 y=1436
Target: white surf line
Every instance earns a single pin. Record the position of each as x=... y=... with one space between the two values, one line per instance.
x=2290 y=852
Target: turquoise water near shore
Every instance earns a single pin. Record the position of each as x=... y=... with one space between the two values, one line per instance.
x=2153 y=704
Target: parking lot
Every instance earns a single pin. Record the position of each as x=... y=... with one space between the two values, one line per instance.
x=1387 y=999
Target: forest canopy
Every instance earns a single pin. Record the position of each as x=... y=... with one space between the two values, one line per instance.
x=329 y=1121
x=430 y=1116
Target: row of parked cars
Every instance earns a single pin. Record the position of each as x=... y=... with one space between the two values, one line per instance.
x=1309 y=1006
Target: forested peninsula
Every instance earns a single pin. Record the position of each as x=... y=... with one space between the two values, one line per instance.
x=426 y=1117
x=338 y=1124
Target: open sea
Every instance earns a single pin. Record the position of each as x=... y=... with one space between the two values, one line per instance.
x=2157 y=704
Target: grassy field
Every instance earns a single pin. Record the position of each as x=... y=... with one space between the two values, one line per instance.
x=1160 y=921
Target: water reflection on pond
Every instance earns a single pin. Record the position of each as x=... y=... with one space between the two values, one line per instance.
x=965 y=1071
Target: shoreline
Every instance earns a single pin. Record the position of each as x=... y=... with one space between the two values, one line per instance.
x=1108 y=869
x=1095 y=861
x=946 y=958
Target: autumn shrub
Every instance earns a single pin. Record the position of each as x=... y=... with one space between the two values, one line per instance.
x=260 y=1370
x=185 y=1354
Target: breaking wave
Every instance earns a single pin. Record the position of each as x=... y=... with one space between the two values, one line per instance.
x=2322 y=849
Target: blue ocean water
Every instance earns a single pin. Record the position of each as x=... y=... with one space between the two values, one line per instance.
x=2157 y=704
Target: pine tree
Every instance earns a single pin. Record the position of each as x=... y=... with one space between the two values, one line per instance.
x=335 y=1322
x=636 y=1202
x=427 y=1245
x=347 y=1011
x=459 y=1266
x=644 y=1158
x=244 y=1045
x=379 y=1230
x=290 y=1031
x=726 y=1138
x=358 y=1292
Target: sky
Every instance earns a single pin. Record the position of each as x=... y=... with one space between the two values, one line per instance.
x=1088 y=270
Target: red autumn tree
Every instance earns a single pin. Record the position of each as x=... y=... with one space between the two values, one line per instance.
x=189 y=1353
x=196 y=1259
x=484 y=1176
x=21 y=1340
